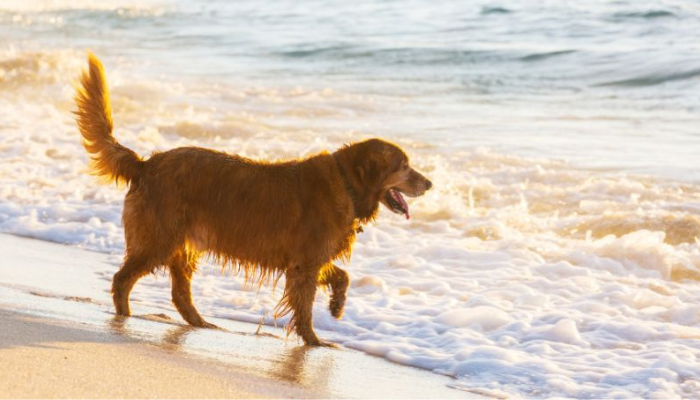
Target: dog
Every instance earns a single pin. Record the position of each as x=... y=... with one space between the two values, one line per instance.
x=268 y=219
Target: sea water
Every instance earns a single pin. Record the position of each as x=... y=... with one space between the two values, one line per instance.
x=556 y=255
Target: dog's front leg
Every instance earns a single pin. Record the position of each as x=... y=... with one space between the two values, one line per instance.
x=299 y=293
x=338 y=281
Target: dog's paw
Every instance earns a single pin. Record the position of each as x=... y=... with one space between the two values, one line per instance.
x=206 y=325
x=337 y=306
x=321 y=343
x=210 y=326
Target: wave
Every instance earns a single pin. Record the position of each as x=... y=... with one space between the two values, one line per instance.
x=36 y=69
x=652 y=14
x=317 y=50
x=544 y=56
x=677 y=228
x=495 y=10
x=654 y=79
x=416 y=56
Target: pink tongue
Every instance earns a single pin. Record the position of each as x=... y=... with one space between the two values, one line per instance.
x=397 y=196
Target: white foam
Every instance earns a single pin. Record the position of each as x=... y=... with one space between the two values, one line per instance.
x=54 y=5
x=521 y=277
x=479 y=318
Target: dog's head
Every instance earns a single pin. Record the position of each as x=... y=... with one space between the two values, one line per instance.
x=385 y=175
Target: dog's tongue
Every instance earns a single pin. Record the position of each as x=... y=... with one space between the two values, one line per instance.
x=399 y=198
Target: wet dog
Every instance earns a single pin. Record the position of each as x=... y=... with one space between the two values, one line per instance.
x=268 y=219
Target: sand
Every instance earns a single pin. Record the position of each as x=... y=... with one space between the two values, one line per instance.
x=59 y=338
x=45 y=359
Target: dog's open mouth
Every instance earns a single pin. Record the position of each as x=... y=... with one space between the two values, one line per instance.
x=396 y=202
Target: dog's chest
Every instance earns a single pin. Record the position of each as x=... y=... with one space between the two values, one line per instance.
x=342 y=249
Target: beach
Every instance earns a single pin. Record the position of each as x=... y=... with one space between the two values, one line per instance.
x=557 y=254
x=47 y=358
x=61 y=339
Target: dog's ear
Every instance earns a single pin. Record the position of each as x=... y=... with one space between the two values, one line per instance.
x=372 y=169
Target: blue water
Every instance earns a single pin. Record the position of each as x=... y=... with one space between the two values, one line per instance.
x=603 y=84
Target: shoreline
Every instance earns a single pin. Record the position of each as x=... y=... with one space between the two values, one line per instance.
x=61 y=339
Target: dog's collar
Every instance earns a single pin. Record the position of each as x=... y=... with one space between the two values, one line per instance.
x=351 y=190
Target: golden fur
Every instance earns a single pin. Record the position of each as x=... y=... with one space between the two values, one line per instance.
x=267 y=219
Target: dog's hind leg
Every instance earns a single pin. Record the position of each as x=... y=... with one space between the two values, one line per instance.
x=182 y=266
x=133 y=269
x=338 y=281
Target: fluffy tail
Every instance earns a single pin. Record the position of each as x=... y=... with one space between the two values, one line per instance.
x=110 y=160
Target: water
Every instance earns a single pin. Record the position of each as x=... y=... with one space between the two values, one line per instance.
x=558 y=253
x=605 y=84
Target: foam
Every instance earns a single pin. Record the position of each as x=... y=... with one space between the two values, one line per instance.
x=480 y=318
x=520 y=276
x=125 y=6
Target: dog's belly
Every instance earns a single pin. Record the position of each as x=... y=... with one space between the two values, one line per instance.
x=276 y=249
x=198 y=240
x=270 y=252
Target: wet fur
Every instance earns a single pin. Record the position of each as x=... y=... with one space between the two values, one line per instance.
x=266 y=219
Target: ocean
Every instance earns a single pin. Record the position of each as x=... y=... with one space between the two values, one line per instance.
x=558 y=253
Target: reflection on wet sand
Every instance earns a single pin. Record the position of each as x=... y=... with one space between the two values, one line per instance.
x=303 y=365
x=328 y=372
x=292 y=367
x=174 y=338
x=306 y=366
x=309 y=371
x=117 y=326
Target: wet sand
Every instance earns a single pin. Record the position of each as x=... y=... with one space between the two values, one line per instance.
x=45 y=358
x=60 y=338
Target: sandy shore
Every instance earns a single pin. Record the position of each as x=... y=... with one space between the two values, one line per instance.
x=44 y=358
x=59 y=338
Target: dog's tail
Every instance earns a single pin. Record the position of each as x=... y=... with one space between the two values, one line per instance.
x=110 y=160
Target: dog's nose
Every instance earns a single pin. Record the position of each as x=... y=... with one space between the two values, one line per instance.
x=428 y=184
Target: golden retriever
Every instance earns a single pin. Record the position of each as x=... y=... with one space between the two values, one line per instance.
x=265 y=218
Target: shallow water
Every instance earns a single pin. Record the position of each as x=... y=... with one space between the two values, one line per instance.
x=557 y=254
